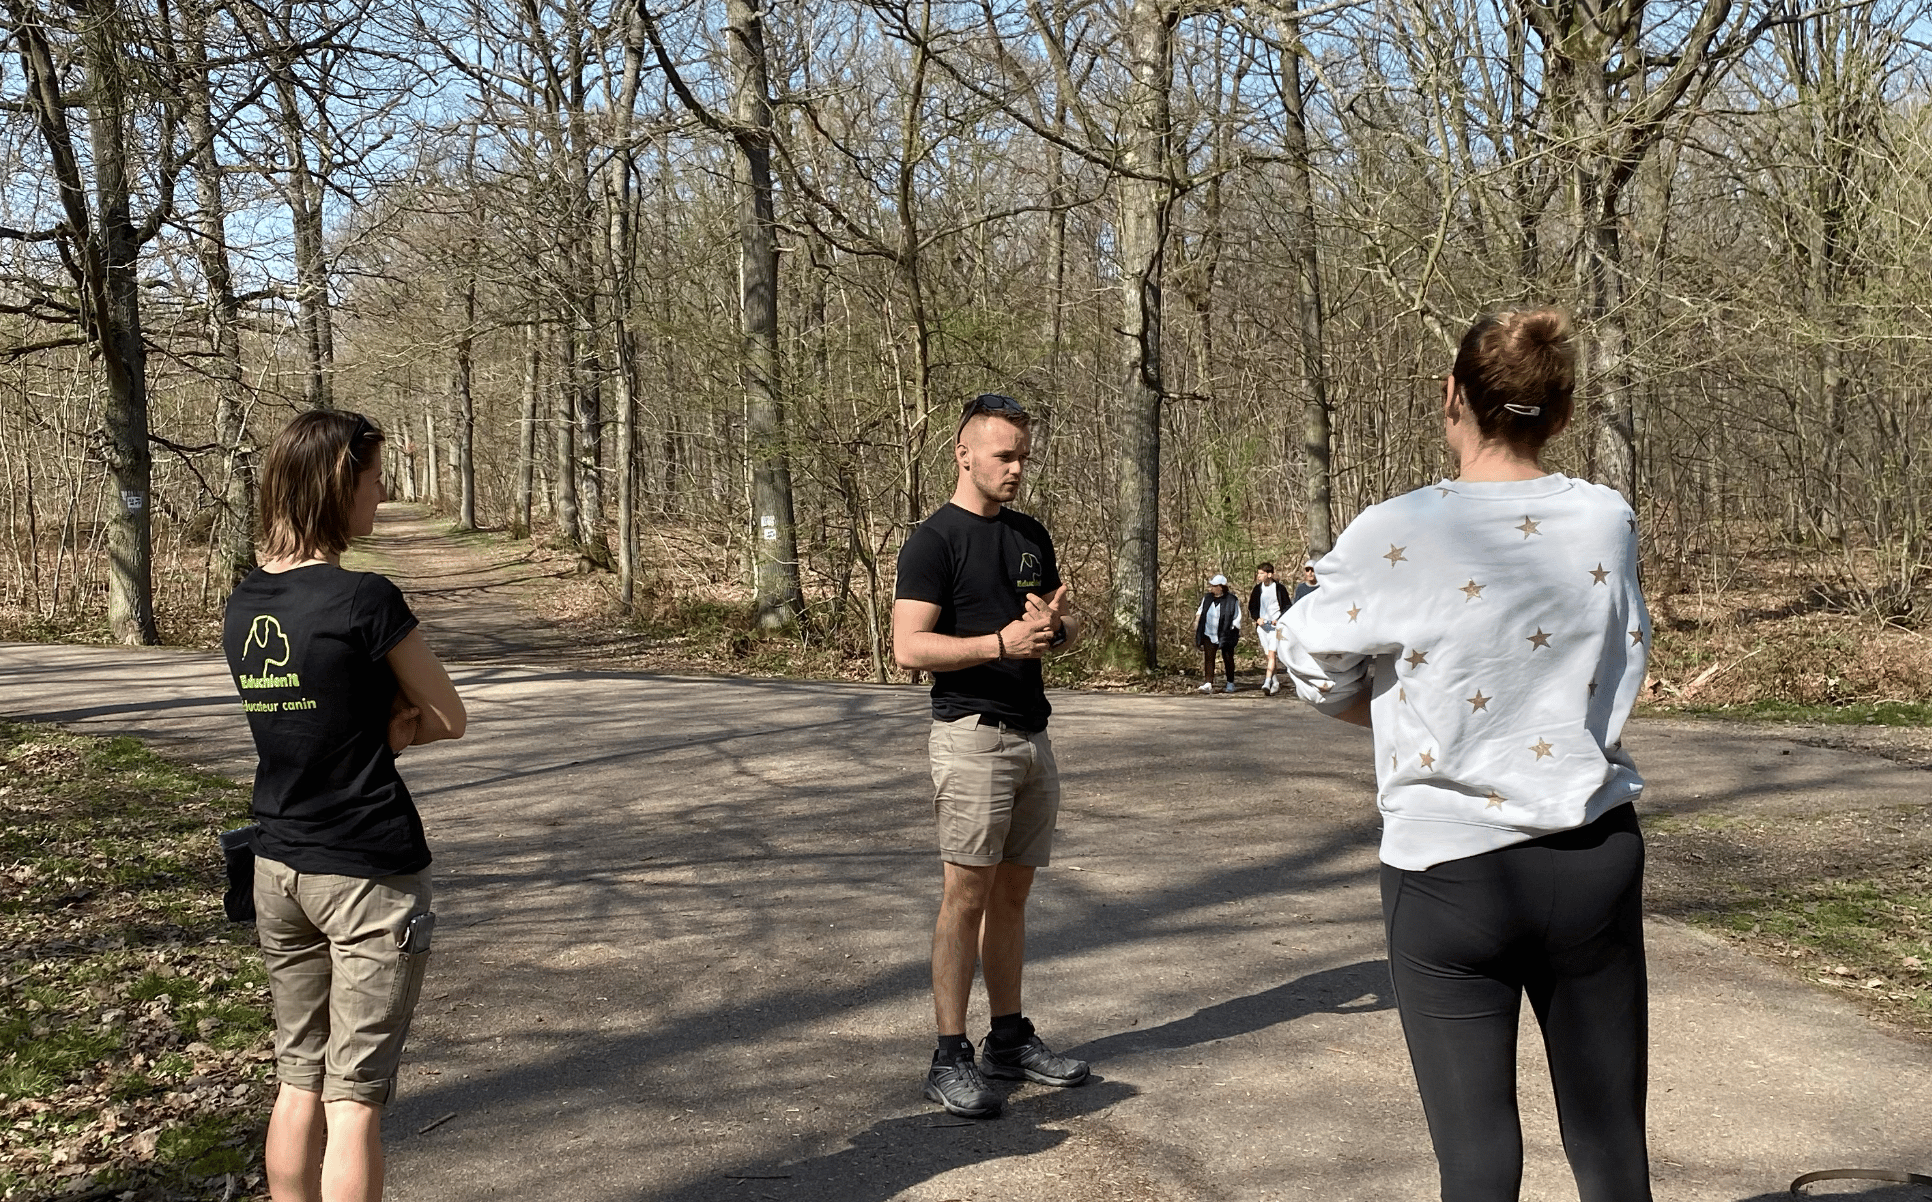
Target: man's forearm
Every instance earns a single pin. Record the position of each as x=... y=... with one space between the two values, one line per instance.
x=930 y=651
x=1073 y=626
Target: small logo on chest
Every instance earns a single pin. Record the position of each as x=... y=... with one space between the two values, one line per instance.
x=1029 y=576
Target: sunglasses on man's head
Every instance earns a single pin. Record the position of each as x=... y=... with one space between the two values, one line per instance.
x=989 y=402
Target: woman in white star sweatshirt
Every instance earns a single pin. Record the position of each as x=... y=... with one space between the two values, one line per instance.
x=1490 y=629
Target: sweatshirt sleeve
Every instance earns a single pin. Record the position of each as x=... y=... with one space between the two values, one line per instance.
x=1330 y=637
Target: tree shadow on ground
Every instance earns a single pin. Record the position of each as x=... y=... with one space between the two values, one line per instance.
x=1863 y=1191
x=898 y=1153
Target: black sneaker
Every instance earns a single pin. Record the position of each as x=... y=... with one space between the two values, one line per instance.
x=959 y=1087
x=1033 y=1061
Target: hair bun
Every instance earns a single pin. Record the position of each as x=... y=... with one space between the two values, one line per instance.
x=1542 y=327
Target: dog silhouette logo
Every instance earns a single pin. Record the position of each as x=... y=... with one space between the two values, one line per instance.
x=266 y=632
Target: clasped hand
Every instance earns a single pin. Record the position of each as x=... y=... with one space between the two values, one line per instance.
x=1030 y=635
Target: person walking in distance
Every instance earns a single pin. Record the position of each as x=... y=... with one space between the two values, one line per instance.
x=979 y=600
x=1490 y=629
x=1306 y=585
x=1267 y=601
x=335 y=679
x=1217 y=628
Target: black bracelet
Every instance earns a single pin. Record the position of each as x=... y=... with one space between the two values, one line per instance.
x=1002 y=644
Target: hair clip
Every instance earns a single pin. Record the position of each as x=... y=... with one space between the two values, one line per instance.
x=1526 y=410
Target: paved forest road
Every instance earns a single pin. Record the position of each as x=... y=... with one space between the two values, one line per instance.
x=683 y=950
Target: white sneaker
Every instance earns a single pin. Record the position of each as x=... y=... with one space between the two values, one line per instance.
x=1230 y=687
x=1206 y=688
x=1269 y=686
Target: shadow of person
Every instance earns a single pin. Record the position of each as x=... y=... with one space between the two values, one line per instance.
x=1360 y=988
x=895 y=1154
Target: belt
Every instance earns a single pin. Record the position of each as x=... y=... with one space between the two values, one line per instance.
x=990 y=720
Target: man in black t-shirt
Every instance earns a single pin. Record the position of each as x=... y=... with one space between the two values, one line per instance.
x=979 y=601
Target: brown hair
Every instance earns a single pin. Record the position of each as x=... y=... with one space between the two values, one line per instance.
x=1516 y=370
x=309 y=482
x=1265 y=566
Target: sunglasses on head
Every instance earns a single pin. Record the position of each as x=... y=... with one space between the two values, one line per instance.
x=989 y=402
x=364 y=429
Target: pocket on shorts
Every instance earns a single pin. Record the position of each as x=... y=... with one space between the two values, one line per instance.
x=408 y=985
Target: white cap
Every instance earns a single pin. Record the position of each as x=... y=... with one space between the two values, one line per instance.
x=1221 y=580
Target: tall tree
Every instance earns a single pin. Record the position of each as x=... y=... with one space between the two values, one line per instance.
x=777 y=595
x=101 y=249
x=1146 y=196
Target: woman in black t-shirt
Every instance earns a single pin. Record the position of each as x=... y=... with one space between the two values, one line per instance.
x=336 y=680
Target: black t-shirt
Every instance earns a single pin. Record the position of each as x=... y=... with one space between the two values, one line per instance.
x=978 y=570
x=307 y=647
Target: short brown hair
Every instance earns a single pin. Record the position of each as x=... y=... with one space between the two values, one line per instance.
x=1265 y=566
x=309 y=482
x=1516 y=370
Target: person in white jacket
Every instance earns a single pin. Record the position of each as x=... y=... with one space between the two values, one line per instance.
x=1490 y=629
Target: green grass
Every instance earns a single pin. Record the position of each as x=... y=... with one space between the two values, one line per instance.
x=1882 y=713
x=1867 y=935
x=127 y=1002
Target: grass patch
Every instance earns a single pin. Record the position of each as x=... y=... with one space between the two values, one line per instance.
x=1882 y=713
x=1842 y=900
x=134 y=1023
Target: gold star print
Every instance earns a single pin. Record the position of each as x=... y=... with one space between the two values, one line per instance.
x=1542 y=747
x=1495 y=800
x=1539 y=639
x=1323 y=687
x=1428 y=761
x=1416 y=659
x=1391 y=761
x=1395 y=555
x=1633 y=524
x=1402 y=695
x=1355 y=611
x=1528 y=527
x=1478 y=702
x=1471 y=591
x=1593 y=688
x=1445 y=491
x=1599 y=573
x=1636 y=636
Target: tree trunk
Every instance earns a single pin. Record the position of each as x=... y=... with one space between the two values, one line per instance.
x=570 y=530
x=464 y=407
x=236 y=533
x=1317 y=434
x=774 y=547
x=527 y=426
x=1145 y=208
x=101 y=252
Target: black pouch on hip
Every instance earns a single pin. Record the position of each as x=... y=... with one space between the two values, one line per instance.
x=238 y=851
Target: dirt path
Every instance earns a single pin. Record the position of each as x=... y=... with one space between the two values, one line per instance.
x=683 y=950
x=475 y=595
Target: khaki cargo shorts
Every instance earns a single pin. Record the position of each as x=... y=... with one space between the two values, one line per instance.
x=343 y=986
x=996 y=793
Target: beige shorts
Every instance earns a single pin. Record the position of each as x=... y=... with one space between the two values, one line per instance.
x=996 y=793
x=342 y=985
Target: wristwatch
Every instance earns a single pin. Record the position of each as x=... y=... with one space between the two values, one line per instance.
x=1059 y=636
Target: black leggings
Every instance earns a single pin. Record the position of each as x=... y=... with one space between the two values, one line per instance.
x=1560 y=918
x=1227 y=661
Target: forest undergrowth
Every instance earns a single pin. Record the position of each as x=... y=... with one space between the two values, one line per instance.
x=134 y=1022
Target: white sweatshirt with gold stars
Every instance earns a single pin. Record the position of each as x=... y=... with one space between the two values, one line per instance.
x=1503 y=635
